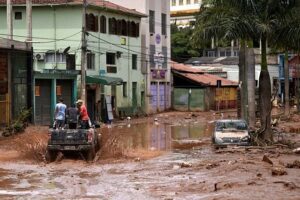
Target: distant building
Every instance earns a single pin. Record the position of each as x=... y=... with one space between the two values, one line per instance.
x=196 y=90
x=156 y=51
x=230 y=65
x=183 y=12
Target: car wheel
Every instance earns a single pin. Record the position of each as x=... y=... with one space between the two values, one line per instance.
x=50 y=156
x=91 y=154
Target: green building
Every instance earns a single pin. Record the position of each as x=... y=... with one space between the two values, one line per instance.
x=113 y=69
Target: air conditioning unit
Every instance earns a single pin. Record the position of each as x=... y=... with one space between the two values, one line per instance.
x=39 y=56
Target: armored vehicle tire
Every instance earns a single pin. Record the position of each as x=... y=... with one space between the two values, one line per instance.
x=90 y=154
x=50 y=156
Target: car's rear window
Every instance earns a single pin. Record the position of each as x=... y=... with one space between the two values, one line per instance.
x=238 y=125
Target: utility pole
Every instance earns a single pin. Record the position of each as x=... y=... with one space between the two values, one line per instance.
x=29 y=19
x=83 y=53
x=9 y=20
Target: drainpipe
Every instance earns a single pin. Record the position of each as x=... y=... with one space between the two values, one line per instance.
x=9 y=20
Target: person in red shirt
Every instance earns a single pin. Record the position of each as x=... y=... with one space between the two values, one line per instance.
x=83 y=114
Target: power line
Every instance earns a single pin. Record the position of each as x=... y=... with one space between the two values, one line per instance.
x=52 y=39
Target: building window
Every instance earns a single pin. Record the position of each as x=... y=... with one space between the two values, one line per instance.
x=151 y=56
x=173 y=2
x=18 y=15
x=90 y=61
x=124 y=89
x=91 y=22
x=71 y=61
x=151 y=21
x=134 y=61
x=180 y=2
x=58 y=90
x=112 y=26
x=165 y=57
x=102 y=24
x=55 y=58
x=37 y=91
x=196 y=1
x=110 y=58
x=163 y=24
x=119 y=27
x=188 y=2
x=124 y=30
x=111 y=63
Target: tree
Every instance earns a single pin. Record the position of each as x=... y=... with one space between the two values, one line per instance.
x=181 y=46
x=244 y=19
x=229 y=20
x=288 y=39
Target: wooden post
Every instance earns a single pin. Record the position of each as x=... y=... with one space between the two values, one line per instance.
x=9 y=20
x=83 y=54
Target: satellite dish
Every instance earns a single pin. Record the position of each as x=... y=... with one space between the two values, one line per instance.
x=66 y=50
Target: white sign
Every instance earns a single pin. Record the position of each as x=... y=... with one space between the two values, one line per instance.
x=159 y=59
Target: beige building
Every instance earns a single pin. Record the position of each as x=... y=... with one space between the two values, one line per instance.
x=183 y=12
x=156 y=52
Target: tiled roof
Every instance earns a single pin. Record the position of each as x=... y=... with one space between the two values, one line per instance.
x=208 y=79
x=98 y=3
x=184 y=68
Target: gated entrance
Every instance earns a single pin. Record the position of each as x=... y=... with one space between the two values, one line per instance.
x=43 y=101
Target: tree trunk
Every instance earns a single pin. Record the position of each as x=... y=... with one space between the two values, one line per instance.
x=286 y=85
x=242 y=81
x=250 y=63
x=265 y=95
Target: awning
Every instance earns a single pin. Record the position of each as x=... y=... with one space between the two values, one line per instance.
x=104 y=80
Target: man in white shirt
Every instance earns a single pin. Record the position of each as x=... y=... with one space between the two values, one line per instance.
x=60 y=114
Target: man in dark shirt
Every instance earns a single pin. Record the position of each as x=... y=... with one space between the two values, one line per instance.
x=72 y=116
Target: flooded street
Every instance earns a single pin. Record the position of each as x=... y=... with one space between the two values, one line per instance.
x=168 y=156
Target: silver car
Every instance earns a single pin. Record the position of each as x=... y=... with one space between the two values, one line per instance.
x=230 y=132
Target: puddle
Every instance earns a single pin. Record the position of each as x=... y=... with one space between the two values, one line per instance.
x=154 y=137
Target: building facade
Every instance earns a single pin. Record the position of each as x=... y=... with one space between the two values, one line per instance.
x=156 y=52
x=113 y=60
x=183 y=12
x=15 y=79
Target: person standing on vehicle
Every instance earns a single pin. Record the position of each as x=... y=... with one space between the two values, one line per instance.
x=60 y=114
x=72 y=116
x=83 y=114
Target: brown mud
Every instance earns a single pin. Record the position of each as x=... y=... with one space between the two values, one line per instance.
x=165 y=156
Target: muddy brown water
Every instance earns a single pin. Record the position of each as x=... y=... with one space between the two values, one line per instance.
x=159 y=173
x=149 y=138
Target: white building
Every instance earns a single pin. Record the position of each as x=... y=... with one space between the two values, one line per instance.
x=183 y=12
x=156 y=52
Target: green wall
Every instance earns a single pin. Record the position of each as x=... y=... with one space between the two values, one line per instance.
x=185 y=99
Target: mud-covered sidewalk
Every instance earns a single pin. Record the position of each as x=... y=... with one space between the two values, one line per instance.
x=166 y=156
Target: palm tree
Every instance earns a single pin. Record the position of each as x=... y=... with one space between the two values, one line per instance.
x=229 y=20
x=246 y=19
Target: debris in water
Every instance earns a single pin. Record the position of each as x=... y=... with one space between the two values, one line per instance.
x=266 y=159
x=212 y=165
x=297 y=150
x=295 y=164
x=278 y=171
x=185 y=164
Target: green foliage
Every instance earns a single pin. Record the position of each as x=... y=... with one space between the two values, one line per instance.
x=182 y=48
x=20 y=123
